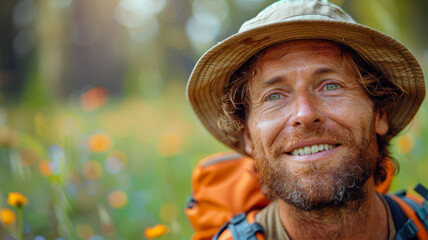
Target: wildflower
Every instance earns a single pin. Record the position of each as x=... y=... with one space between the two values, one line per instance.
x=115 y=162
x=16 y=199
x=93 y=99
x=7 y=216
x=8 y=138
x=405 y=144
x=92 y=170
x=99 y=142
x=107 y=229
x=170 y=144
x=84 y=231
x=156 y=231
x=117 y=199
x=45 y=168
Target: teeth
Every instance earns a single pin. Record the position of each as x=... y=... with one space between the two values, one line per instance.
x=314 y=149
x=308 y=150
x=311 y=149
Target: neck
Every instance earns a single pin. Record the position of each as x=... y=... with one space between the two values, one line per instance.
x=364 y=219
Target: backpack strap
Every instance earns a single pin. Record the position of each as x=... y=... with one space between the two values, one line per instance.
x=423 y=191
x=421 y=210
x=397 y=214
x=241 y=227
x=410 y=218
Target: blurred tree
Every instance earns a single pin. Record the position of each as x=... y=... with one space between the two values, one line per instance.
x=135 y=47
x=9 y=82
x=93 y=59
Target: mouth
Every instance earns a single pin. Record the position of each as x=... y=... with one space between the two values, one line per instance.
x=311 y=149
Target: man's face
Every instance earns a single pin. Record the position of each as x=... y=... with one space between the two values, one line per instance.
x=311 y=126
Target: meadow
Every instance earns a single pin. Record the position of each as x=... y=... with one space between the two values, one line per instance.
x=96 y=168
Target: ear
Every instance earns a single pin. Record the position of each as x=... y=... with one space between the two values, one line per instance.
x=248 y=143
x=381 y=124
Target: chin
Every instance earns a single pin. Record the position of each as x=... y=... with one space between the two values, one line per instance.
x=318 y=185
x=318 y=192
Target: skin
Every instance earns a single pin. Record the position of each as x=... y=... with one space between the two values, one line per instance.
x=300 y=86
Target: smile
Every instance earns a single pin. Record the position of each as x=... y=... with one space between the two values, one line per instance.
x=307 y=150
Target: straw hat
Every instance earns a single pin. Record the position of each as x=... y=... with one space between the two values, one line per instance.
x=304 y=19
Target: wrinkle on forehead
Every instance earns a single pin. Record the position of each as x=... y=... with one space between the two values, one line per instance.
x=296 y=47
x=316 y=46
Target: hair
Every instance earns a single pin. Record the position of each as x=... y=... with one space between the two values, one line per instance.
x=235 y=102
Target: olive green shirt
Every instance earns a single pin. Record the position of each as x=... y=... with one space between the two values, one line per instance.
x=271 y=222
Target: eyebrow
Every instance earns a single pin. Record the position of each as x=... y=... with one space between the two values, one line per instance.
x=324 y=70
x=273 y=80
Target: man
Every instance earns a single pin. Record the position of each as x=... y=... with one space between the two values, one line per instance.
x=314 y=98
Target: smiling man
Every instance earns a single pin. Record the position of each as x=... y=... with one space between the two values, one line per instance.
x=311 y=126
x=314 y=98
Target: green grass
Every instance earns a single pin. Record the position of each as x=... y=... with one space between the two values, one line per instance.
x=156 y=141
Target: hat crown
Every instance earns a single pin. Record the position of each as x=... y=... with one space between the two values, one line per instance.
x=292 y=10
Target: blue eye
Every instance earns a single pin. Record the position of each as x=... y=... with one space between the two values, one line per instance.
x=332 y=86
x=274 y=97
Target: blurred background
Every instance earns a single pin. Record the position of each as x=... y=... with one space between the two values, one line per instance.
x=94 y=125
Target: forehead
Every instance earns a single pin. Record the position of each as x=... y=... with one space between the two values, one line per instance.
x=313 y=57
x=290 y=48
x=303 y=54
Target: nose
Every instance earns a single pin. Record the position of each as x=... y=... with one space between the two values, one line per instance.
x=306 y=111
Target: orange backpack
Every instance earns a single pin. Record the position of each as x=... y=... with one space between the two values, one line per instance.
x=225 y=185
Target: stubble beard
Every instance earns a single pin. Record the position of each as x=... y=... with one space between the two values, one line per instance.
x=317 y=186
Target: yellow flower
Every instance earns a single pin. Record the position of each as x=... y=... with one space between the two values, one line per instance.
x=16 y=199
x=156 y=231
x=7 y=216
x=405 y=144
x=99 y=142
x=170 y=144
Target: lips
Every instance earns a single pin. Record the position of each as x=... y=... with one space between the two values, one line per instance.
x=311 y=149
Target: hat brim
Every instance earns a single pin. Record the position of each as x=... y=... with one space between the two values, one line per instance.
x=382 y=51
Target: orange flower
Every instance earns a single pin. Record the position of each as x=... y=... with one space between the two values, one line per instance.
x=156 y=231
x=7 y=216
x=16 y=199
x=117 y=199
x=93 y=99
x=99 y=142
x=45 y=168
x=84 y=231
x=92 y=170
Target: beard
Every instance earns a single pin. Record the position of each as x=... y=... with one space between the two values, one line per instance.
x=324 y=184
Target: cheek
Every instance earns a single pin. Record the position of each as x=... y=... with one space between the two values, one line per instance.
x=352 y=113
x=264 y=130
